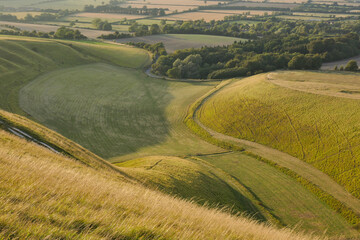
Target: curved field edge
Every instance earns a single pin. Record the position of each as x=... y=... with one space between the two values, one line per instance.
x=69 y=200
x=349 y=214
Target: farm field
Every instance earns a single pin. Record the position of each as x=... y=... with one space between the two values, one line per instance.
x=264 y=4
x=107 y=16
x=176 y=2
x=174 y=42
x=170 y=8
x=48 y=28
x=198 y=15
x=40 y=4
x=236 y=12
x=320 y=130
x=306 y=18
x=282 y=1
x=172 y=5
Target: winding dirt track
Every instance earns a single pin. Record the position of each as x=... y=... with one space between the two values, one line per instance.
x=305 y=170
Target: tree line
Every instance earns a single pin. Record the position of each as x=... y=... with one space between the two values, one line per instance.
x=109 y=8
x=267 y=27
x=61 y=33
x=278 y=45
x=304 y=7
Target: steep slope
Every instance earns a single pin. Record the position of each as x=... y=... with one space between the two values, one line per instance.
x=47 y=195
x=321 y=127
x=191 y=180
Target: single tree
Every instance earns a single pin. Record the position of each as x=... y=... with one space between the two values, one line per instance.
x=351 y=66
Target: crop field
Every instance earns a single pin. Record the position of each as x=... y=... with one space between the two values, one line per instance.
x=107 y=16
x=307 y=18
x=152 y=21
x=237 y=12
x=264 y=4
x=174 y=42
x=343 y=2
x=51 y=4
x=320 y=129
x=171 y=5
x=175 y=2
x=281 y=1
x=324 y=14
x=171 y=8
x=187 y=16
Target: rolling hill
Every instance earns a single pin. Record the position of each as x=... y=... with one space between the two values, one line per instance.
x=97 y=95
x=50 y=195
x=311 y=116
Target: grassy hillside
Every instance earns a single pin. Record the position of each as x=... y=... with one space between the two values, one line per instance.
x=282 y=195
x=115 y=111
x=100 y=98
x=233 y=179
x=187 y=178
x=23 y=59
x=46 y=195
x=317 y=127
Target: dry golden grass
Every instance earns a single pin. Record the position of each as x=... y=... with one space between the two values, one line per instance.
x=44 y=195
x=207 y=16
x=336 y=84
